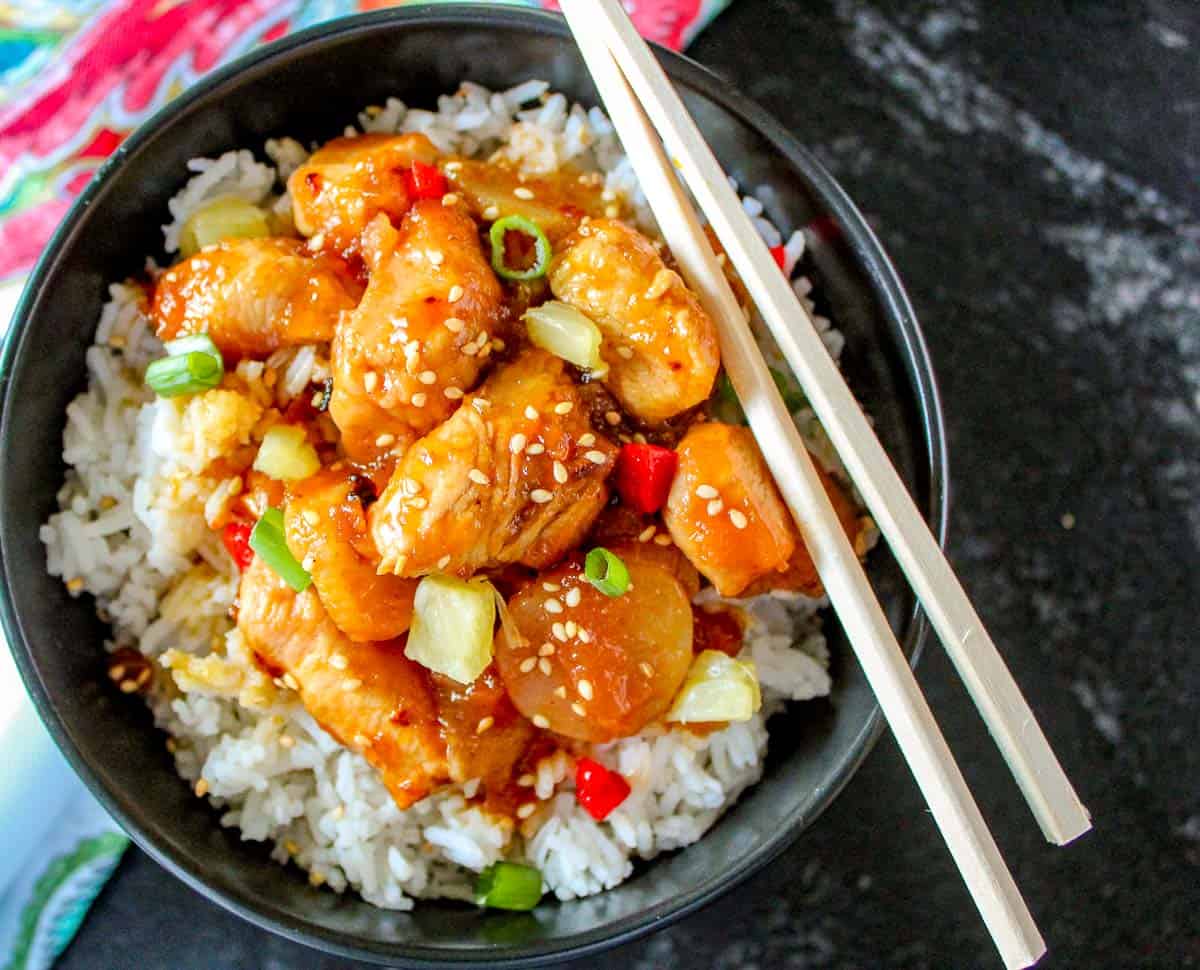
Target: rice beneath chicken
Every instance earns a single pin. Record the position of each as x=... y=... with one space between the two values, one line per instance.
x=134 y=531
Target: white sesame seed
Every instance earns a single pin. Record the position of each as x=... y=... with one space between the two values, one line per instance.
x=418 y=502
x=585 y=689
x=480 y=403
x=539 y=721
x=351 y=683
x=714 y=507
x=546 y=649
x=612 y=211
x=470 y=350
x=535 y=449
x=443 y=562
x=385 y=440
x=516 y=444
x=524 y=811
x=540 y=496
x=570 y=628
x=338 y=662
x=201 y=788
x=595 y=457
x=662 y=539
x=553 y=606
x=526 y=781
x=410 y=486
x=612 y=417
x=370 y=381
x=646 y=534
x=419 y=399
x=559 y=632
x=522 y=193
x=706 y=491
x=309 y=516
x=449 y=199
x=291 y=681
x=528 y=664
x=563 y=407
x=579 y=709
x=453 y=393
x=427 y=377
x=646 y=669
x=560 y=691
x=585 y=637
x=435 y=257
x=587 y=440
x=544 y=666
x=478 y=477
x=491 y=212
x=573 y=597
x=625 y=353
x=560 y=473
x=454 y=324
x=551 y=587
x=308 y=562
x=484 y=724
x=455 y=294
x=738 y=519
x=531 y=412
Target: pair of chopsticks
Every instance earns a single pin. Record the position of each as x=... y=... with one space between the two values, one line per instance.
x=644 y=107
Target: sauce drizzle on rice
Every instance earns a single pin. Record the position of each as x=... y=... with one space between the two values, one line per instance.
x=457 y=470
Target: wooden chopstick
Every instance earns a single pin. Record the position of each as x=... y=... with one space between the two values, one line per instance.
x=886 y=668
x=1047 y=789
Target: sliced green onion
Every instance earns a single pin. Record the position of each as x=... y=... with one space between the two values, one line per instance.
x=542 y=251
x=192 y=364
x=268 y=541
x=185 y=374
x=227 y=217
x=606 y=572
x=565 y=332
x=509 y=885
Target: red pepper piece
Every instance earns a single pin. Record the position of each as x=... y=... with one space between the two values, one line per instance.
x=236 y=537
x=598 y=789
x=779 y=254
x=644 y=474
x=424 y=181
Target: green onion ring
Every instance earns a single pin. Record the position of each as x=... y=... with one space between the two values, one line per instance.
x=192 y=364
x=606 y=572
x=268 y=541
x=542 y=249
x=509 y=885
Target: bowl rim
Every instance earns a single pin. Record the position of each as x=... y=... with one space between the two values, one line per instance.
x=882 y=279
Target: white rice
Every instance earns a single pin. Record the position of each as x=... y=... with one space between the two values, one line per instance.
x=133 y=530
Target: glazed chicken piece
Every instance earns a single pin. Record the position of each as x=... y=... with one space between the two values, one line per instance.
x=349 y=181
x=660 y=345
x=515 y=475
x=485 y=736
x=421 y=334
x=252 y=296
x=726 y=514
x=369 y=696
x=326 y=529
x=555 y=202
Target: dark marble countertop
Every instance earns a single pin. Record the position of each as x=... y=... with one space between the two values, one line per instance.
x=1034 y=170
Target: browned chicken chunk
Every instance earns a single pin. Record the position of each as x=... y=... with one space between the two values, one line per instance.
x=515 y=475
x=485 y=736
x=556 y=202
x=659 y=344
x=252 y=296
x=327 y=532
x=369 y=696
x=726 y=514
x=418 y=340
x=349 y=181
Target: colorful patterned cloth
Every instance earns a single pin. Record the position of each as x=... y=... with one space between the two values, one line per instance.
x=76 y=76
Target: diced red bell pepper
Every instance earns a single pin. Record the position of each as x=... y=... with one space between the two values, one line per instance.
x=236 y=537
x=598 y=789
x=424 y=181
x=644 y=474
x=779 y=254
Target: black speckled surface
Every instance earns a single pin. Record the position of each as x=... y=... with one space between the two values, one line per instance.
x=1034 y=170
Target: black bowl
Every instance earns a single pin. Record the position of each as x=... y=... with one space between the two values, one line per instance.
x=308 y=86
